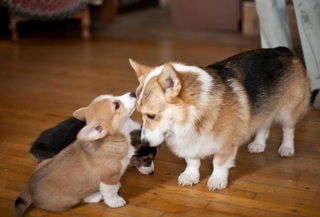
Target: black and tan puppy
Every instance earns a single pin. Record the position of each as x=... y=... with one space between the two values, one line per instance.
x=144 y=156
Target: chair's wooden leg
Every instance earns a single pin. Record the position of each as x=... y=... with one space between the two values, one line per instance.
x=85 y=23
x=84 y=16
x=13 y=27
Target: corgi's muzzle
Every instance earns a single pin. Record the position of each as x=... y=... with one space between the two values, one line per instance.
x=153 y=138
x=129 y=101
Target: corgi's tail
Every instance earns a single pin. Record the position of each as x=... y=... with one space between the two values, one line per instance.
x=22 y=202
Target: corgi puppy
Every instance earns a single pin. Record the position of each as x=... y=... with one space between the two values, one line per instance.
x=205 y=111
x=89 y=169
x=51 y=141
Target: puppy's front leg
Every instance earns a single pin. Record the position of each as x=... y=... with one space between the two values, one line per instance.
x=110 y=195
x=191 y=174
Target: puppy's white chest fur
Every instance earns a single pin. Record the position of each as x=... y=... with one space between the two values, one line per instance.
x=129 y=126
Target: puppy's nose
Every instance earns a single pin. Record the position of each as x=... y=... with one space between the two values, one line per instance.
x=133 y=94
x=145 y=143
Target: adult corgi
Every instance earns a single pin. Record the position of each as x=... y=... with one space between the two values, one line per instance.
x=210 y=111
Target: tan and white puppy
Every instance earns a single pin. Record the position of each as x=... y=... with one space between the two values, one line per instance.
x=89 y=169
x=205 y=111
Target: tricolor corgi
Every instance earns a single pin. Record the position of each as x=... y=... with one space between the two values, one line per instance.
x=205 y=111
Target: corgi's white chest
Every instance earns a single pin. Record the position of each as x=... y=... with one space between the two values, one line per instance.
x=187 y=143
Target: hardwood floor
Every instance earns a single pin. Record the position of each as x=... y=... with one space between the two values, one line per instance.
x=42 y=81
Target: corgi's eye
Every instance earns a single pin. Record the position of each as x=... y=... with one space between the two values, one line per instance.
x=151 y=117
x=116 y=105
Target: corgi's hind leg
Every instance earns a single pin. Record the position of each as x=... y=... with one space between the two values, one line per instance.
x=293 y=111
x=258 y=145
x=286 y=148
x=288 y=117
x=110 y=195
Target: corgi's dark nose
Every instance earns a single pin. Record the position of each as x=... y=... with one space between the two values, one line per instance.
x=133 y=94
x=145 y=143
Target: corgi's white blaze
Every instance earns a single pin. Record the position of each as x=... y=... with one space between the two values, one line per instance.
x=151 y=74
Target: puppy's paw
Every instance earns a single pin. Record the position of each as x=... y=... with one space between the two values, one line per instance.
x=115 y=202
x=146 y=170
x=286 y=151
x=189 y=178
x=255 y=147
x=93 y=198
x=216 y=183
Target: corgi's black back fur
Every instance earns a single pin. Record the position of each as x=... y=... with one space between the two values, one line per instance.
x=260 y=76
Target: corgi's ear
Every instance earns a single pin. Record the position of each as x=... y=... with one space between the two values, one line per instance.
x=92 y=132
x=169 y=81
x=141 y=70
x=80 y=114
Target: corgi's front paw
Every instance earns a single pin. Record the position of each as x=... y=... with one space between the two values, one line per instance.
x=286 y=151
x=115 y=202
x=189 y=178
x=216 y=183
x=255 y=147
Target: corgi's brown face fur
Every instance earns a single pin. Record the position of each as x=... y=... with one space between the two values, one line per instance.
x=105 y=115
x=203 y=111
x=91 y=167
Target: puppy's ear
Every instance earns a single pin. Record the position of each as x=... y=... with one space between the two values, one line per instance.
x=92 y=132
x=169 y=81
x=141 y=70
x=80 y=114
